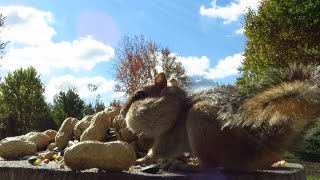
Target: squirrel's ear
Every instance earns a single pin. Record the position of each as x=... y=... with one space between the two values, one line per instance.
x=173 y=83
x=161 y=80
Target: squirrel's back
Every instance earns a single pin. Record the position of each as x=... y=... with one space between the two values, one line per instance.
x=247 y=132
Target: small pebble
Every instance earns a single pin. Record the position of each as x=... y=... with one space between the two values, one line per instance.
x=34 y=160
x=26 y=157
x=62 y=166
x=46 y=161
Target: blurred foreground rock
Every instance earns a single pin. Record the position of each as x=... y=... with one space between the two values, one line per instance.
x=65 y=133
x=15 y=148
x=105 y=143
x=40 y=139
x=109 y=156
x=98 y=128
x=82 y=125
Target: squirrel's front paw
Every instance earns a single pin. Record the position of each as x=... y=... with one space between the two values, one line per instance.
x=146 y=160
x=177 y=164
x=170 y=164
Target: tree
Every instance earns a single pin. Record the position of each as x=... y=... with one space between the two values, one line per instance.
x=93 y=89
x=138 y=61
x=2 y=44
x=99 y=106
x=282 y=32
x=23 y=104
x=67 y=104
x=279 y=33
x=89 y=109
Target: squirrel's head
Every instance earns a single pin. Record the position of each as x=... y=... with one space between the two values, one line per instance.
x=154 y=108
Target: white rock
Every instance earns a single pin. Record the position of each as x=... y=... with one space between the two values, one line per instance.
x=109 y=156
x=65 y=132
x=14 y=148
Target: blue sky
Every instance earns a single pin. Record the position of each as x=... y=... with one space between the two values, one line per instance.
x=71 y=43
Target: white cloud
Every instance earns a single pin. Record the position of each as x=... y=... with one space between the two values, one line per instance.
x=200 y=67
x=226 y=67
x=30 y=34
x=62 y=83
x=195 y=65
x=230 y=12
x=82 y=54
x=27 y=25
x=239 y=31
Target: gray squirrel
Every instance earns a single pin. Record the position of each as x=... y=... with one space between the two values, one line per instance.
x=222 y=127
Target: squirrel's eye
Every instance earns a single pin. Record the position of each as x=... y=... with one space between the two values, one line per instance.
x=139 y=95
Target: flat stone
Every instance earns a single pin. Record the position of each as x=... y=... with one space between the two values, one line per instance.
x=22 y=170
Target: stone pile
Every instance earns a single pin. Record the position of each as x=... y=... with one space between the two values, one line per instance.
x=98 y=141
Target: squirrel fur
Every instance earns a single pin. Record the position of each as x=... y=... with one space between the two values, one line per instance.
x=223 y=127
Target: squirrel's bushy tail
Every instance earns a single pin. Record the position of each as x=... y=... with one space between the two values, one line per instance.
x=284 y=109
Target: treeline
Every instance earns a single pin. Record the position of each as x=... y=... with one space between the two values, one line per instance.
x=23 y=107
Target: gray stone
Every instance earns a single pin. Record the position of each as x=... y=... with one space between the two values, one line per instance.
x=22 y=170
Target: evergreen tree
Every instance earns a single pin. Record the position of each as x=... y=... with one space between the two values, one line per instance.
x=23 y=104
x=67 y=104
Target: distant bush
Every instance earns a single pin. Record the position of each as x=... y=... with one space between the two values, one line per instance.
x=308 y=148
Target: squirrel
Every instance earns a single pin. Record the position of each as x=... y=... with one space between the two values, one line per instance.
x=222 y=127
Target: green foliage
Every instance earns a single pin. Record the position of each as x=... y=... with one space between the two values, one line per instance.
x=23 y=106
x=99 y=106
x=282 y=32
x=89 y=109
x=67 y=104
x=279 y=33
x=313 y=178
x=309 y=147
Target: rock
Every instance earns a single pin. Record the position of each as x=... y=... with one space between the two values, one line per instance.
x=34 y=160
x=97 y=131
x=40 y=139
x=113 y=112
x=127 y=136
x=51 y=146
x=51 y=133
x=71 y=143
x=14 y=148
x=119 y=123
x=47 y=155
x=109 y=156
x=65 y=132
x=21 y=137
x=81 y=126
x=144 y=143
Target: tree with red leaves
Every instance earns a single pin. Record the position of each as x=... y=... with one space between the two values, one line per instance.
x=138 y=61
